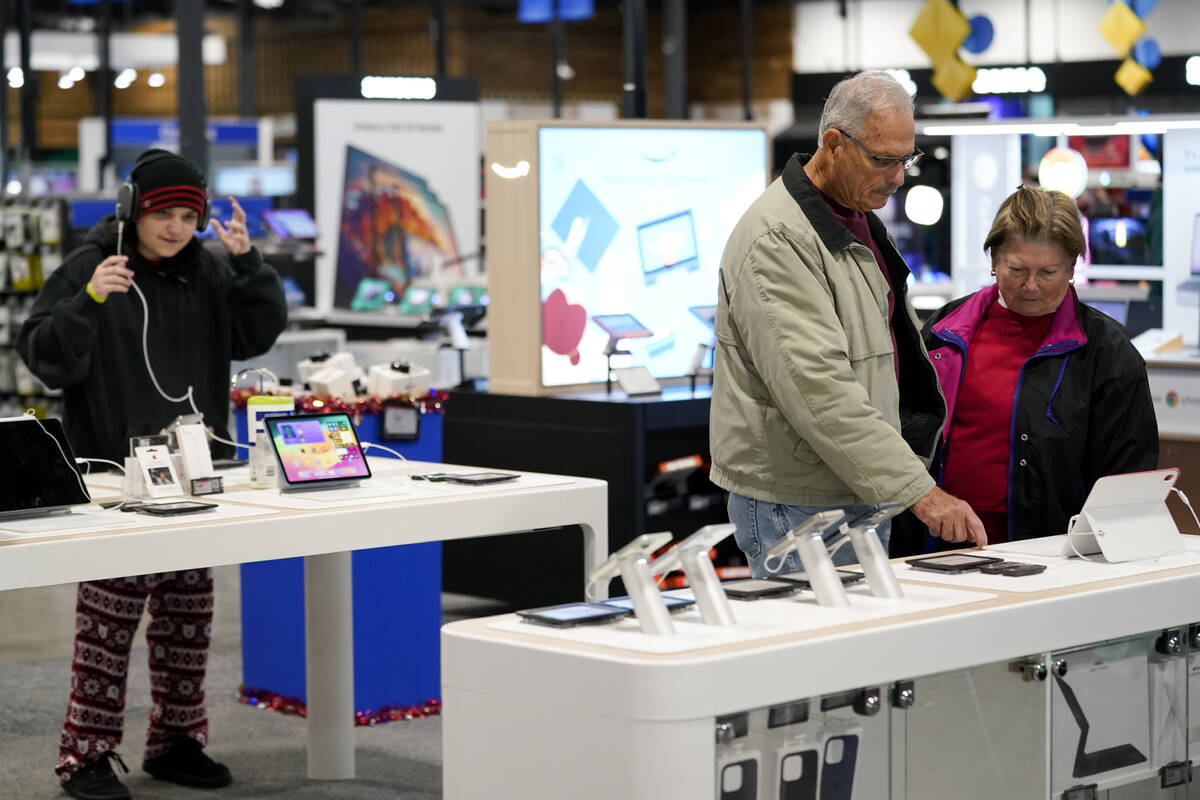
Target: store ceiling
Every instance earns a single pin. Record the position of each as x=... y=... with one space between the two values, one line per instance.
x=71 y=14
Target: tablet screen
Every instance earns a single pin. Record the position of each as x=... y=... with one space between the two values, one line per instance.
x=317 y=448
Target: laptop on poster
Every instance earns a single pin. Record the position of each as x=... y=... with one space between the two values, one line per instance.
x=316 y=451
x=1125 y=518
x=37 y=473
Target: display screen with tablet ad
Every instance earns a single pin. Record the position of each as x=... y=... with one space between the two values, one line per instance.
x=315 y=451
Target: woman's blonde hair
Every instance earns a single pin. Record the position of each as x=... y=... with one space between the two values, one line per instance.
x=1037 y=215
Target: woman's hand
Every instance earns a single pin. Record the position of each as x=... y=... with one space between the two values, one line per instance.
x=233 y=234
x=111 y=275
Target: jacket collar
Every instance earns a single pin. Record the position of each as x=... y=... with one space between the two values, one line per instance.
x=1065 y=330
x=834 y=235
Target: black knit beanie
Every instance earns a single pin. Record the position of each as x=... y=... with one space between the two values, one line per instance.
x=165 y=180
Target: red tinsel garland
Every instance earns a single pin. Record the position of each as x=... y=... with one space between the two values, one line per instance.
x=432 y=403
x=266 y=699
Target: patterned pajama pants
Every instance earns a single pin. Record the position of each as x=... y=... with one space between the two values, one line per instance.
x=106 y=617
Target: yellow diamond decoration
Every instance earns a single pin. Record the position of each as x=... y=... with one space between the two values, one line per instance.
x=939 y=29
x=1122 y=27
x=953 y=78
x=1132 y=76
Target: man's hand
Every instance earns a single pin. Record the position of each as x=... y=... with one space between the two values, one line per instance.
x=111 y=275
x=950 y=518
x=233 y=234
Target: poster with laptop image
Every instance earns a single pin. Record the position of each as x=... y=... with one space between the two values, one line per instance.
x=316 y=451
x=37 y=473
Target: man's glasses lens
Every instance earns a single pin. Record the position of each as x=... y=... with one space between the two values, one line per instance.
x=886 y=162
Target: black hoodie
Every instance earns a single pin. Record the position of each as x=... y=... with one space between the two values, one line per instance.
x=204 y=311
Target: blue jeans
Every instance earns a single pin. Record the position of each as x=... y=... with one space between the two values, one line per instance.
x=760 y=524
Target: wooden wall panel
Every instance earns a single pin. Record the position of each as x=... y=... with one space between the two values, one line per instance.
x=510 y=60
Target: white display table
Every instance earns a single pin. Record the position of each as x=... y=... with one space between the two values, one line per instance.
x=532 y=712
x=256 y=525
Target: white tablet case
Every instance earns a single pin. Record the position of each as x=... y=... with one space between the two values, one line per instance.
x=1125 y=518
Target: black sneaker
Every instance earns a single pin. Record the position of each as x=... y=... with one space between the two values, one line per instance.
x=185 y=763
x=96 y=780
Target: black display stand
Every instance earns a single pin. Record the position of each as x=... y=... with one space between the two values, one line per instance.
x=618 y=439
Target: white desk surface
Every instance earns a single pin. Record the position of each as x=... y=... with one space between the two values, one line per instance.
x=257 y=525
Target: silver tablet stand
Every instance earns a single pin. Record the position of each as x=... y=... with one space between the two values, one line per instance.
x=880 y=578
x=631 y=562
x=808 y=542
x=691 y=555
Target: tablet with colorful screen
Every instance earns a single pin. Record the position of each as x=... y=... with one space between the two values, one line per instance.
x=316 y=451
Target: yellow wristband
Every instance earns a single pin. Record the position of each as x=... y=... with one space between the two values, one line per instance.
x=92 y=294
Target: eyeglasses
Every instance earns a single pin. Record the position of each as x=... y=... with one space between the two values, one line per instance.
x=886 y=162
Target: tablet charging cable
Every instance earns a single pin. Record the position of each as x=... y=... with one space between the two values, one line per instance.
x=186 y=397
x=372 y=446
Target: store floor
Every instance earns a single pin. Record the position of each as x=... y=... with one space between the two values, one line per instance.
x=265 y=750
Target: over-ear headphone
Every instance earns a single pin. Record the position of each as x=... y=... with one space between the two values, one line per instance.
x=128 y=193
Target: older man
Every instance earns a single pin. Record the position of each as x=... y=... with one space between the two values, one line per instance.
x=823 y=394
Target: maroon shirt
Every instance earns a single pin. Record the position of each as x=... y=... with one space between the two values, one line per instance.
x=856 y=223
x=977 y=443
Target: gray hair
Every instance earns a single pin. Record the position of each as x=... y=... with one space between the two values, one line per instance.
x=853 y=99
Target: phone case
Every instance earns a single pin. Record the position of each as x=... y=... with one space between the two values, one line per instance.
x=798 y=775
x=739 y=780
x=837 y=778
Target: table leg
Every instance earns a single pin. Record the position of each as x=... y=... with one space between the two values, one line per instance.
x=595 y=550
x=329 y=658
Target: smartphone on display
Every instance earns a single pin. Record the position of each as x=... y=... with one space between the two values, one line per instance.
x=672 y=602
x=848 y=577
x=1020 y=570
x=481 y=478
x=953 y=562
x=569 y=615
x=757 y=588
x=171 y=509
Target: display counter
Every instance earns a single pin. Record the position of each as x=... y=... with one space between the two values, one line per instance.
x=1056 y=685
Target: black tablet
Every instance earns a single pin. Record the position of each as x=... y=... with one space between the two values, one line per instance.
x=672 y=602
x=571 y=614
x=171 y=509
x=848 y=577
x=756 y=588
x=952 y=562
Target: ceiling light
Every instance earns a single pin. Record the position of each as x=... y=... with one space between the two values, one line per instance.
x=65 y=82
x=16 y=78
x=923 y=205
x=156 y=79
x=393 y=88
x=13 y=187
x=1192 y=70
x=268 y=4
x=76 y=74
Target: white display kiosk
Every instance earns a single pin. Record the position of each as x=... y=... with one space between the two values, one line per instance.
x=592 y=713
